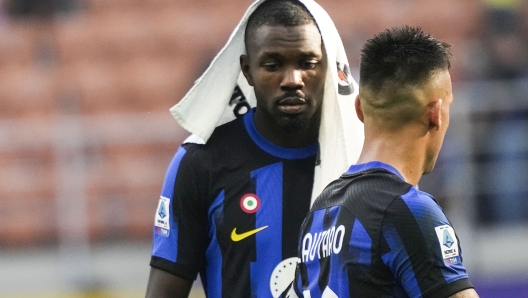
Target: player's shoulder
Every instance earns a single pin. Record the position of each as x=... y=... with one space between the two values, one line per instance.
x=416 y=206
x=372 y=186
x=224 y=137
x=420 y=202
x=229 y=131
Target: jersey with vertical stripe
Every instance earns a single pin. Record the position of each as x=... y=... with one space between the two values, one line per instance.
x=231 y=210
x=371 y=234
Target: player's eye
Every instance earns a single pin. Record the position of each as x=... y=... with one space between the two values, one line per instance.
x=309 y=64
x=271 y=66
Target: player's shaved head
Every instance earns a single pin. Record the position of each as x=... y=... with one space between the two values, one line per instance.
x=395 y=66
x=286 y=13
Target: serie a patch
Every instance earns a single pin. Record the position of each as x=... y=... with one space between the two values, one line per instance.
x=448 y=245
x=162 y=220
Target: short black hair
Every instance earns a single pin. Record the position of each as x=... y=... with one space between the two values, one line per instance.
x=288 y=13
x=402 y=56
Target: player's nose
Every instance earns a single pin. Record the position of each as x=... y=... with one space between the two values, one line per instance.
x=292 y=79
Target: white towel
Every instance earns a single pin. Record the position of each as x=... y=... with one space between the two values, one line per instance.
x=211 y=100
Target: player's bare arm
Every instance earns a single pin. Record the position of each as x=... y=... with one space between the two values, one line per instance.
x=162 y=284
x=467 y=293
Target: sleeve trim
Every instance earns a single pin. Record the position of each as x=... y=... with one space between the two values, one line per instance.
x=450 y=289
x=176 y=269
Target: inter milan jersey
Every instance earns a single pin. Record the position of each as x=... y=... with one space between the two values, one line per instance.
x=371 y=234
x=231 y=210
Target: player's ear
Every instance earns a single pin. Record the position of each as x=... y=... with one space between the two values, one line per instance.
x=359 y=111
x=435 y=114
x=244 y=66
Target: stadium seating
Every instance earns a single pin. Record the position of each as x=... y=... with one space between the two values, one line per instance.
x=85 y=101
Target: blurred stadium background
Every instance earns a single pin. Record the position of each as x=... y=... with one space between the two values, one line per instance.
x=86 y=135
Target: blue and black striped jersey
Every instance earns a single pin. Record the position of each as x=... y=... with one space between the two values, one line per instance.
x=231 y=210
x=371 y=234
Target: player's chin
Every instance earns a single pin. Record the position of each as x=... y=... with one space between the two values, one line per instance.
x=292 y=124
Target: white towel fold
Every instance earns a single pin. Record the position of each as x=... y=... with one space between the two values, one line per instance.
x=211 y=101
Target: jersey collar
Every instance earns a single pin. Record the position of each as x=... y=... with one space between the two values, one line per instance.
x=373 y=165
x=275 y=150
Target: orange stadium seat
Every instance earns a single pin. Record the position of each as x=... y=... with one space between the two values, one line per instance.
x=92 y=85
x=18 y=44
x=27 y=91
x=27 y=204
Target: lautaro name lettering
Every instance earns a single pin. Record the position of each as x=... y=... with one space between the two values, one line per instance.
x=322 y=244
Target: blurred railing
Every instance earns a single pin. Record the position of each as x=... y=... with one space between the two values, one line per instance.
x=109 y=166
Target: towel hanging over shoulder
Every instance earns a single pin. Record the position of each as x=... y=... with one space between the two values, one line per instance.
x=222 y=92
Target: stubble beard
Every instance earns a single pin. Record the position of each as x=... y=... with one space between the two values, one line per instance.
x=294 y=125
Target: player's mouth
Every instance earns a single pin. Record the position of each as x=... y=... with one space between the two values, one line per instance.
x=292 y=105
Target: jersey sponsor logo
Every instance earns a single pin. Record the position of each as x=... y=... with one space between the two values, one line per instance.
x=237 y=237
x=322 y=244
x=250 y=203
x=164 y=232
x=162 y=220
x=448 y=244
x=282 y=276
x=343 y=85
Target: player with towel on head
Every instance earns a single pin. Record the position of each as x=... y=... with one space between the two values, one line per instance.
x=238 y=189
x=372 y=233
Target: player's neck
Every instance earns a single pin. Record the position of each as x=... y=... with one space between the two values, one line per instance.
x=407 y=156
x=291 y=140
x=278 y=136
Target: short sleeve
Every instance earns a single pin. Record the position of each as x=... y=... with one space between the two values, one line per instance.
x=179 y=235
x=421 y=247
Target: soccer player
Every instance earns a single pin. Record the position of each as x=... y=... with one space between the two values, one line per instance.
x=372 y=233
x=231 y=208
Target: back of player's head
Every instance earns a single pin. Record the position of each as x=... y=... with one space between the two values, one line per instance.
x=286 y=13
x=401 y=57
x=396 y=69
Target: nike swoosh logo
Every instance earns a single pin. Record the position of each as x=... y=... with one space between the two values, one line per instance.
x=237 y=237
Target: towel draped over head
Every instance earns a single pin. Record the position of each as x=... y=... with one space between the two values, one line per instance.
x=222 y=93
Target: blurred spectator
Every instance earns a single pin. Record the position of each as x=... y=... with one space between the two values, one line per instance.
x=42 y=14
x=503 y=14
x=38 y=8
x=503 y=41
